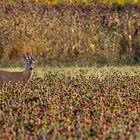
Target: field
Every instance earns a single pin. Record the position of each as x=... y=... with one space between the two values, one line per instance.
x=73 y=103
x=81 y=88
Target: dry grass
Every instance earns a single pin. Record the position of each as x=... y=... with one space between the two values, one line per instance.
x=74 y=70
x=95 y=33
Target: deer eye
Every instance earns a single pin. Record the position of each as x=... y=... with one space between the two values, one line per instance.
x=28 y=63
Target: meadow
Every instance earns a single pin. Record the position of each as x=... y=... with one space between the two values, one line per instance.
x=81 y=88
x=73 y=103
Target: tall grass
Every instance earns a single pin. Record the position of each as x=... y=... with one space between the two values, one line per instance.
x=95 y=33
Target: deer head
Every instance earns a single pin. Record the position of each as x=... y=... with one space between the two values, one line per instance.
x=29 y=61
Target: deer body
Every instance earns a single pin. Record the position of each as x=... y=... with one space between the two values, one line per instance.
x=15 y=77
x=18 y=77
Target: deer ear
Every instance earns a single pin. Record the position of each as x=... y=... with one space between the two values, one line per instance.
x=28 y=57
x=33 y=58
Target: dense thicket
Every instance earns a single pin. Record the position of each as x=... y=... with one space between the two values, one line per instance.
x=82 y=33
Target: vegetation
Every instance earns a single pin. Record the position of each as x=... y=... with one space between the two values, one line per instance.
x=100 y=105
x=54 y=2
x=93 y=33
x=71 y=103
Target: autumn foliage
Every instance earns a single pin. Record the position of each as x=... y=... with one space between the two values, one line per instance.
x=93 y=33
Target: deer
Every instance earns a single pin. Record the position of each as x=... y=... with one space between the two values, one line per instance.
x=19 y=77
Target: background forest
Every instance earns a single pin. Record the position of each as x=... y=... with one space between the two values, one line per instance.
x=83 y=31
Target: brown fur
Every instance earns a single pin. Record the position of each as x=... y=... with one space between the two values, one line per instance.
x=15 y=77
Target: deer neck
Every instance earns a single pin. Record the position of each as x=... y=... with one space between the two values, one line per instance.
x=27 y=74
